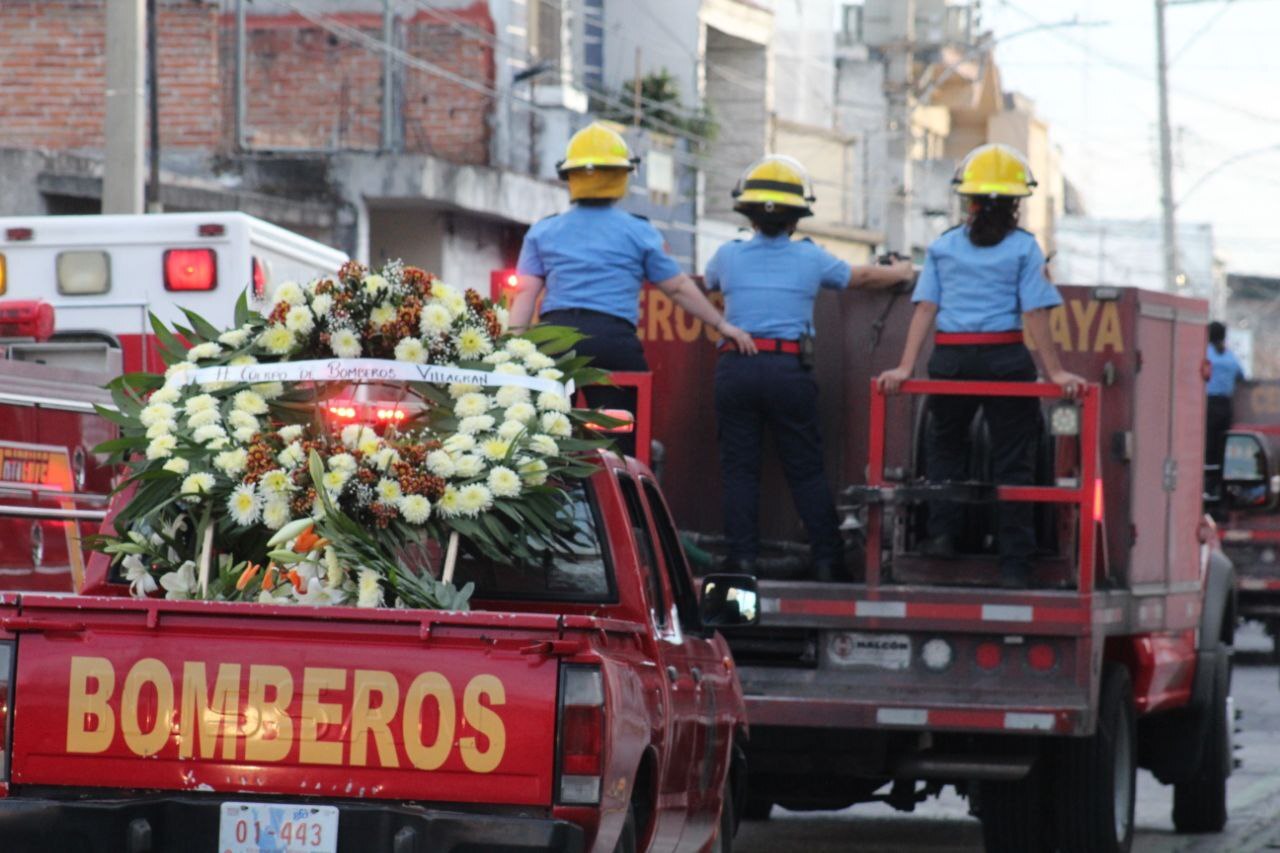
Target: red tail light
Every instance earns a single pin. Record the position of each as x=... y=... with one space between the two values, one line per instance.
x=390 y=416
x=212 y=229
x=1042 y=657
x=259 y=279
x=581 y=735
x=190 y=269
x=988 y=655
x=502 y=283
x=18 y=235
x=339 y=410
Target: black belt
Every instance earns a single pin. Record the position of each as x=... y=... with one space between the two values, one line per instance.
x=586 y=312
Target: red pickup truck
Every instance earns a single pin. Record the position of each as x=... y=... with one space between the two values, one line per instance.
x=584 y=704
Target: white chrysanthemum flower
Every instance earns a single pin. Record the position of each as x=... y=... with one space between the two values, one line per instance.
x=550 y=401
x=440 y=463
x=177 y=465
x=499 y=357
x=166 y=394
x=544 y=444
x=534 y=472
x=268 y=390
x=205 y=418
x=448 y=505
x=473 y=425
x=385 y=458
x=276 y=339
x=250 y=402
x=369 y=589
x=520 y=348
x=241 y=420
x=511 y=369
x=389 y=490
x=459 y=443
x=299 y=320
x=231 y=462
x=289 y=291
x=345 y=344
x=510 y=429
x=470 y=405
x=509 y=395
x=334 y=573
x=504 y=482
x=474 y=499
x=369 y=446
x=374 y=284
x=217 y=443
x=473 y=343
x=322 y=304
x=292 y=456
x=344 y=462
x=243 y=505
x=435 y=320
x=162 y=447
x=335 y=480
x=440 y=290
x=175 y=373
x=160 y=428
x=351 y=435
x=504 y=317
x=411 y=350
x=244 y=435
x=197 y=484
x=461 y=389
x=243 y=360
x=552 y=373
x=235 y=338
x=200 y=403
x=292 y=432
x=539 y=361
x=156 y=413
x=202 y=351
x=456 y=303
x=495 y=448
x=277 y=482
x=556 y=425
x=382 y=315
x=415 y=508
x=520 y=412
x=209 y=434
x=468 y=465
x=275 y=513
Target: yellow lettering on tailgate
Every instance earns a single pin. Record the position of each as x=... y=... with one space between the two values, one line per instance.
x=485 y=722
x=1084 y=312
x=1109 y=334
x=688 y=327
x=315 y=714
x=203 y=719
x=368 y=718
x=434 y=686
x=83 y=704
x=142 y=741
x=272 y=714
x=659 y=316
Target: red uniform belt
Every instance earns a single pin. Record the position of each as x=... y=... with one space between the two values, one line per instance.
x=767 y=345
x=972 y=338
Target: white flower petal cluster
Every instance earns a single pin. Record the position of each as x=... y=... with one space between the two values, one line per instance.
x=200 y=352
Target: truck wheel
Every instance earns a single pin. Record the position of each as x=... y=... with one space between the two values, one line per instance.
x=627 y=840
x=1200 y=805
x=757 y=808
x=1097 y=775
x=1013 y=818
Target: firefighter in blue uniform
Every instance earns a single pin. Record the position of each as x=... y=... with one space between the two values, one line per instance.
x=770 y=282
x=983 y=284
x=593 y=259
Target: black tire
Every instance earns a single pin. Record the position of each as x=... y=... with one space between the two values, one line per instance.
x=1096 y=776
x=757 y=808
x=723 y=842
x=1200 y=804
x=1013 y=816
x=627 y=841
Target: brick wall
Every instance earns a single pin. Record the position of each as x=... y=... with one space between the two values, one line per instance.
x=52 y=74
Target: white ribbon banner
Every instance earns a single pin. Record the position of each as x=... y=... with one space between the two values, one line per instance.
x=364 y=370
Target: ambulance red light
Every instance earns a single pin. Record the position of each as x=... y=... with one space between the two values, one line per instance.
x=988 y=655
x=390 y=415
x=212 y=229
x=17 y=235
x=259 y=270
x=344 y=412
x=503 y=283
x=26 y=318
x=1042 y=657
x=190 y=269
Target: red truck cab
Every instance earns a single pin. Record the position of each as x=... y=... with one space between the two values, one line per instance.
x=583 y=704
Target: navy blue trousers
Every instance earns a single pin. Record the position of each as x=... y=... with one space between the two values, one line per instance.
x=772 y=390
x=1013 y=423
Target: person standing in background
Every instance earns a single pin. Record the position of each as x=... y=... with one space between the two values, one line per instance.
x=1224 y=372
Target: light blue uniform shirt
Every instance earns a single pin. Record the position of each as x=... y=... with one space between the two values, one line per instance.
x=1225 y=371
x=984 y=288
x=595 y=258
x=770 y=283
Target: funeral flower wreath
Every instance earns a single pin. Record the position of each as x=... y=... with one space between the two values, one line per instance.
x=246 y=486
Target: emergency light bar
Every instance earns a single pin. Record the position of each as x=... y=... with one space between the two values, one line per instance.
x=26 y=318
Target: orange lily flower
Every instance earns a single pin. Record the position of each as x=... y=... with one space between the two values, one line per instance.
x=247 y=575
x=269 y=579
x=298 y=583
x=306 y=541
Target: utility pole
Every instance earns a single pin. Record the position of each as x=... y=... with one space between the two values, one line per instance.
x=122 y=181
x=1166 y=156
x=154 y=205
x=899 y=141
x=388 y=78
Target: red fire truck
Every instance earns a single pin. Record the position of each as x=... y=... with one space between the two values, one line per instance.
x=1038 y=704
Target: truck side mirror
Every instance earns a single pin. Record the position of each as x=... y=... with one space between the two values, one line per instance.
x=729 y=601
x=1247 y=472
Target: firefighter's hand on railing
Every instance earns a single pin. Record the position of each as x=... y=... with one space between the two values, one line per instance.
x=891 y=380
x=740 y=339
x=1071 y=383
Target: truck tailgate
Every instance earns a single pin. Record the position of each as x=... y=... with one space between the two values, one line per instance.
x=428 y=706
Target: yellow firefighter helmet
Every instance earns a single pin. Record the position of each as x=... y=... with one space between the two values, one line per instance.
x=994 y=170
x=775 y=181
x=596 y=146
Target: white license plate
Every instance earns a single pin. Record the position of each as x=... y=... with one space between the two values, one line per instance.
x=883 y=651
x=277 y=828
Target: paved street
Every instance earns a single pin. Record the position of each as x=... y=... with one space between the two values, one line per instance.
x=943 y=826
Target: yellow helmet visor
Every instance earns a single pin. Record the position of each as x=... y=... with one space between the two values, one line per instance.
x=597 y=183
